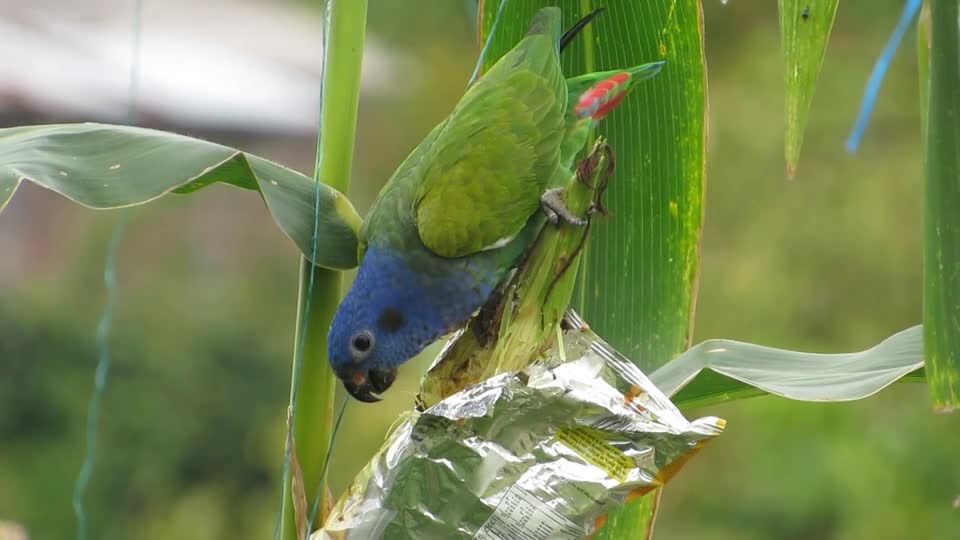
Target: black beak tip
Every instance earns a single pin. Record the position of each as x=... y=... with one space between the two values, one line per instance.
x=361 y=392
x=364 y=386
x=382 y=378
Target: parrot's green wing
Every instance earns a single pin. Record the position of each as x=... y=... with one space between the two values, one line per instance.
x=497 y=151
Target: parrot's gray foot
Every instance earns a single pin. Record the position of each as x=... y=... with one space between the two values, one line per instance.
x=555 y=209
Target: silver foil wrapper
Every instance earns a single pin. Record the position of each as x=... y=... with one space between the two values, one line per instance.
x=540 y=454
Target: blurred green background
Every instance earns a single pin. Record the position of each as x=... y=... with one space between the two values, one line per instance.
x=191 y=432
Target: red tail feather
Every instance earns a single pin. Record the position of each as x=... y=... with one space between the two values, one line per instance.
x=602 y=97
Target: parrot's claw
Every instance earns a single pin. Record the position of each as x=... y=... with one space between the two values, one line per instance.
x=555 y=209
x=585 y=172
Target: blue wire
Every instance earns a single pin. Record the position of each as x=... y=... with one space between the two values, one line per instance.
x=486 y=45
x=106 y=319
x=99 y=378
x=323 y=471
x=472 y=8
x=879 y=72
x=308 y=304
x=315 y=507
x=298 y=360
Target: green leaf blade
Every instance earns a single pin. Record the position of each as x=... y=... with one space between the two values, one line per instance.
x=720 y=370
x=804 y=30
x=941 y=249
x=638 y=279
x=106 y=166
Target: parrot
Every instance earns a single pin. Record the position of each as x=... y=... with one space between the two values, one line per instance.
x=466 y=204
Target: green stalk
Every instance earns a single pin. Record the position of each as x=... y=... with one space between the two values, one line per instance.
x=941 y=249
x=343 y=54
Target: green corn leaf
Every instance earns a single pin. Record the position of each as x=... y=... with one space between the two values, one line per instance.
x=105 y=166
x=720 y=370
x=637 y=277
x=941 y=247
x=804 y=29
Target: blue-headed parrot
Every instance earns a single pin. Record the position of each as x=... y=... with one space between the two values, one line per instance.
x=460 y=211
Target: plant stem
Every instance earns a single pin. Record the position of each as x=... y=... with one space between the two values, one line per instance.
x=343 y=55
x=314 y=419
x=941 y=253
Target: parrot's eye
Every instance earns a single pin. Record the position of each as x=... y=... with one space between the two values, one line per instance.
x=361 y=343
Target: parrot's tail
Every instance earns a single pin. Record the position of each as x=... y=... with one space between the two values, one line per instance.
x=546 y=22
x=603 y=96
x=568 y=36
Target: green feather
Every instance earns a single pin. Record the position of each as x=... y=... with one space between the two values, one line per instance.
x=474 y=184
x=497 y=151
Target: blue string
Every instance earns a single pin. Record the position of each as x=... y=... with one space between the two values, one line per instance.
x=298 y=359
x=472 y=8
x=486 y=44
x=99 y=378
x=315 y=506
x=323 y=471
x=106 y=319
x=879 y=72
x=308 y=304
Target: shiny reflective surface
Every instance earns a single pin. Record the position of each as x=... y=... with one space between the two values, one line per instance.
x=537 y=454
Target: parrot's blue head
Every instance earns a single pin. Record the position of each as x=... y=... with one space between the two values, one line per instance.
x=393 y=311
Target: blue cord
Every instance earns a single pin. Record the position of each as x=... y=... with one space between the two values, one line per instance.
x=106 y=319
x=323 y=471
x=472 y=8
x=99 y=378
x=298 y=360
x=486 y=44
x=308 y=304
x=879 y=72
x=315 y=507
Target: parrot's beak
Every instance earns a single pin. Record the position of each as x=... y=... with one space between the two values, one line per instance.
x=363 y=385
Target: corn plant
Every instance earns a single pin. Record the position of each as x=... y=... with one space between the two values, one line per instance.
x=637 y=276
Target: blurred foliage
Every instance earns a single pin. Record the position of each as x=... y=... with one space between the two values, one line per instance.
x=192 y=429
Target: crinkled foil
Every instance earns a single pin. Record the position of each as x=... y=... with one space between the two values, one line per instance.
x=539 y=454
